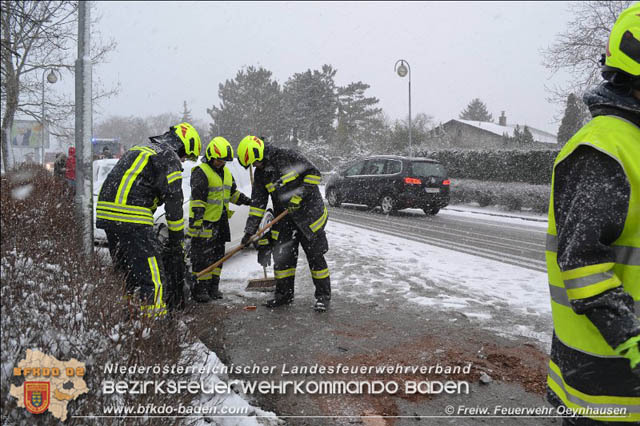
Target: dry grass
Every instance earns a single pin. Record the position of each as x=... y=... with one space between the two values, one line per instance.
x=56 y=300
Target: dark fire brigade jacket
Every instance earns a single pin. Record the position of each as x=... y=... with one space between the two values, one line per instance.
x=286 y=174
x=143 y=179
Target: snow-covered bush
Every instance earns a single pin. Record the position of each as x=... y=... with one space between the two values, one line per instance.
x=513 y=196
x=69 y=306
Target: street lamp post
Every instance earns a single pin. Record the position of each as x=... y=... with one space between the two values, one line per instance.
x=51 y=78
x=402 y=70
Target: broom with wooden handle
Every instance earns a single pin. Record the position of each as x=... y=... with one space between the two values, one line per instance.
x=241 y=246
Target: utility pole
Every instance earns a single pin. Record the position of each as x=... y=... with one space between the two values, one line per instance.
x=84 y=119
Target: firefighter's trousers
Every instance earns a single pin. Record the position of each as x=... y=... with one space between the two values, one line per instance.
x=204 y=252
x=135 y=251
x=285 y=259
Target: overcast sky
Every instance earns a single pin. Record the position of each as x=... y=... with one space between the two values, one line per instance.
x=169 y=52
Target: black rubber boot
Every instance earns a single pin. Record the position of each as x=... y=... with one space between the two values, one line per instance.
x=199 y=292
x=283 y=294
x=212 y=289
x=321 y=305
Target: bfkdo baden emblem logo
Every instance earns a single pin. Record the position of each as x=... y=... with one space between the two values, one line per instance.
x=36 y=396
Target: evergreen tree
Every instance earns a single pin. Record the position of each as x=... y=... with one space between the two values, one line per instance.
x=574 y=118
x=476 y=111
x=527 y=136
x=358 y=117
x=251 y=103
x=186 y=113
x=310 y=105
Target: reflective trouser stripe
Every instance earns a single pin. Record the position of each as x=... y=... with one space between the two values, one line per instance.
x=284 y=273
x=159 y=308
x=318 y=275
x=275 y=234
x=577 y=400
x=209 y=275
x=315 y=226
x=175 y=225
x=270 y=187
x=263 y=242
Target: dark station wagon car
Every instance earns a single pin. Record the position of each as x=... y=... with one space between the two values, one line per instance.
x=391 y=182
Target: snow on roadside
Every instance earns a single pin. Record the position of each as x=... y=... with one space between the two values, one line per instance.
x=241 y=412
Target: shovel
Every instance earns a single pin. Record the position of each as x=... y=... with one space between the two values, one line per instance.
x=260 y=284
x=241 y=246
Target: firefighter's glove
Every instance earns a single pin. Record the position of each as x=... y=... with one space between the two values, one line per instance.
x=294 y=203
x=264 y=252
x=245 y=239
x=631 y=350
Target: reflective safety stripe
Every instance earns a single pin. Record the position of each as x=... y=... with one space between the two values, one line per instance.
x=214 y=202
x=590 y=280
x=234 y=197
x=159 y=307
x=172 y=177
x=291 y=176
x=256 y=211
x=296 y=199
x=199 y=232
x=144 y=149
x=101 y=214
x=318 y=275
x=125 y=209
x=559 y=295
x=624 y=255
x=175 y=225
x=209 y=275
x=315 y=226
x=574 y=399
x=313 y=179
x=263 y=242
x=131 y=175
x=198 y=203
x=275 y=234
x=284 y=273
x=270 y=187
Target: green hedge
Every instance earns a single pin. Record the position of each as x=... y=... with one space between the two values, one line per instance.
x=512 y=196
x=532 y=167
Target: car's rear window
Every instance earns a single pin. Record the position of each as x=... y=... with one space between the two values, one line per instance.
x=425 y=169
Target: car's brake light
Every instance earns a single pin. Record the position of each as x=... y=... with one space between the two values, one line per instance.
x=412 y=181
x=446 y=182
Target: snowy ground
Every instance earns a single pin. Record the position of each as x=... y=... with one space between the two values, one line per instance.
x=366 y=266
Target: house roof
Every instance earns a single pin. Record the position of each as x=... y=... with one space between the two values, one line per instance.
x=538 y=135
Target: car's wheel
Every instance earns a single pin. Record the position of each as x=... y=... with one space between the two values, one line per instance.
x=431 y=211
x=388 y=204
x=333 y=198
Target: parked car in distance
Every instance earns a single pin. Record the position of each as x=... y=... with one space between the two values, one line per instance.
x=391 y=182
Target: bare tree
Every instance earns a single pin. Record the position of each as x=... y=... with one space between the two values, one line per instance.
x=37 y=36
x=578 y=50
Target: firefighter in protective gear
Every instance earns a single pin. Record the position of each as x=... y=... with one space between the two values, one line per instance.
x=212 y=189
x=593 y=246
x=292 y=182
x=144 y=178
